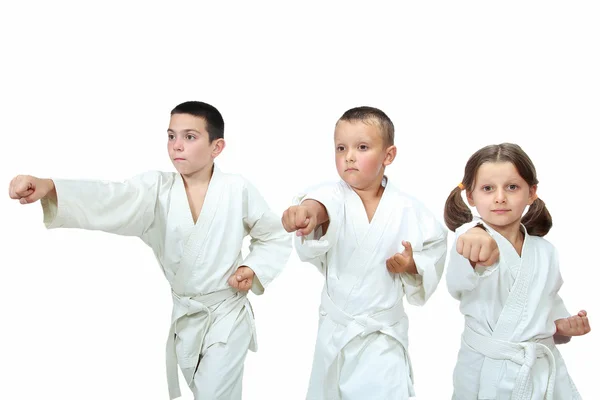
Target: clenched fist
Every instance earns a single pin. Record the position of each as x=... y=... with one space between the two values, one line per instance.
x=28 y=189
x=242 y=279
x=477 y=246
x=577 y=325
x=303 y=219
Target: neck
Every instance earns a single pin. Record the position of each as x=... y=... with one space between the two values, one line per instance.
x=373 y=191
x=513 y=234
x=198 y=178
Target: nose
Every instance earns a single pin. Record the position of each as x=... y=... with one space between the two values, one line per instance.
x=350 y=156
x=500 y=196
x=178 y=144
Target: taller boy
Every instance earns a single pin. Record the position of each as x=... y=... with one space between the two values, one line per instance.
x=195 y=221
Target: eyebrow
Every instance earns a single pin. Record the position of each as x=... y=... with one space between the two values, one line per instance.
x=184 y=131
x=360 y=141
x=511 y=181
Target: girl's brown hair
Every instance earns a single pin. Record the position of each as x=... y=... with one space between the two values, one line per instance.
x=537 y=220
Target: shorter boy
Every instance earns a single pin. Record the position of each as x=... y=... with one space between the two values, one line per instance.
x=374 y=244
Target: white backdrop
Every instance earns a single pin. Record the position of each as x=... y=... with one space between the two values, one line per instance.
x=86 y=93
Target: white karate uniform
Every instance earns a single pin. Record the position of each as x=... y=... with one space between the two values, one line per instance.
x=211 y=323
x=362 y=342
x=508 y=350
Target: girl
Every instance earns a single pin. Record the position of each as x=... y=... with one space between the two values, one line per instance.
x=513 y=313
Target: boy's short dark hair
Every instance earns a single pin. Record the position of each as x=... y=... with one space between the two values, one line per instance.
x=367 y=114
x=215 y=126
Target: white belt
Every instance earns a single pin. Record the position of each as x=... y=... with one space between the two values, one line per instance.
x=363 y=324
x=185 y=307
x=524 y=354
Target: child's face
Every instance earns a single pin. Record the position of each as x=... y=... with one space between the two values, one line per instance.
x=188 y=145
x=360 y=156
x=500 y=195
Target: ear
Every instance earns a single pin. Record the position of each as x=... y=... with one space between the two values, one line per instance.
x=470 y=198
x=390 y=155
x=217 y=147
x=532 y=194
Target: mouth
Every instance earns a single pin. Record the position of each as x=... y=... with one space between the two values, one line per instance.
x=350 y=169
x=179 y=159
x=500 y=211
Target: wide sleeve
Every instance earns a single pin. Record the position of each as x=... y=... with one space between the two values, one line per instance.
x=270 y=244
x=313 y=247
x=559 y=310
x=429 y=254
x=123 y=208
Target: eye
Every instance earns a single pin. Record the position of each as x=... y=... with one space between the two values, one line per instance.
x=340 y=148
x=171 y=136
x=190 y=137
x=486 y=188
x=363 y=147
x=512 y=187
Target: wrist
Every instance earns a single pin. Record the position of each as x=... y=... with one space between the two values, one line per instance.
x=245 y=266
x=412 y=269
x=50 y=189
x=480 y=225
